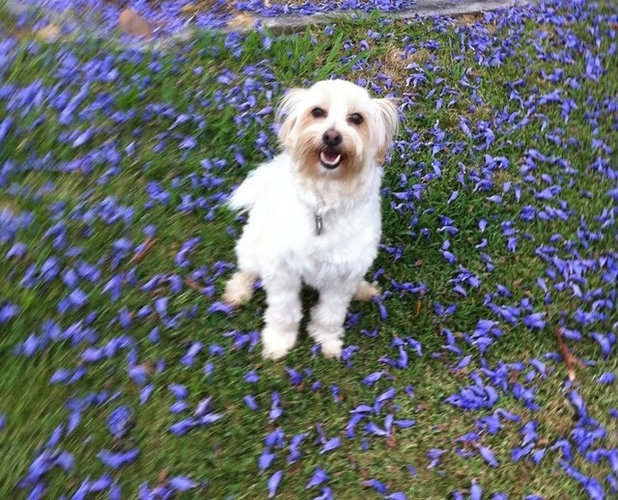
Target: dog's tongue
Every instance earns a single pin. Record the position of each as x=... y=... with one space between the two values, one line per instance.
x=330 y=156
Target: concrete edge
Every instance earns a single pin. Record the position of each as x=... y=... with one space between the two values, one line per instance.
x=422 y=9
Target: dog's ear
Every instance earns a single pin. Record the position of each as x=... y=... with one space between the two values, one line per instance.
x=286 y=115
x=388 y=116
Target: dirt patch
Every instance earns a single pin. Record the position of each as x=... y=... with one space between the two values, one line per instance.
x=469 y=19
x=394 y=61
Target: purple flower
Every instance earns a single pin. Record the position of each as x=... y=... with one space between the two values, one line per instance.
x=327 y=494
x=116 y=460
x=78 y=298
x=178 y=390
x=535 y=321
x=404 y=423
x=434 y=455
x=188 y=143
x=372 y=378
x=251 y=402
x=376 y=485
x=182 y=427
x=145 y=393
x=295 y=443
x=265 y=460
x=181 y=483
x=275 y=409
x=488 y=456
x=120 y=421
x=17 y=251
x=372 y=428
x=161 y=306
x=578 y=403
x=202 y=407
x=178 y=406
x=606 y=378
x=319 y=476
x=519 y=452
x=209 y=418
x=330 y=445
x=5 y=126
x=476 y=492
x=100 y=484
x=295 y=377
x=189 y=358
x=273 y=483
x=220 y=307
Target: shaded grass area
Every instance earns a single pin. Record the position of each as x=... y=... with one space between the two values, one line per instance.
x=157 y=139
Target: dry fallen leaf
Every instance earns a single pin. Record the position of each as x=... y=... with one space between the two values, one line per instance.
x=49 y=33
x=189 y=7
x=241 y=20
x=132 y=23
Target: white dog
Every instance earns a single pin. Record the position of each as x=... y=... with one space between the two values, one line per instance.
x=314 y=213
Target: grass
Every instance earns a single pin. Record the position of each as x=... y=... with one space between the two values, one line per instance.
x=154 y=88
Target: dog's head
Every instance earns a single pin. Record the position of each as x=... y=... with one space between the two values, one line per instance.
x=336 y=128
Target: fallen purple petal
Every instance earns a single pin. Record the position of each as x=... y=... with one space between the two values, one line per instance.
x=116 y=460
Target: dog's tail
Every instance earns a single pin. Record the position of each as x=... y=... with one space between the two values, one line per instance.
x=250 y=190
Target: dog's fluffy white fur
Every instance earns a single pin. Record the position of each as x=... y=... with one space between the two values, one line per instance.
x=314 y=212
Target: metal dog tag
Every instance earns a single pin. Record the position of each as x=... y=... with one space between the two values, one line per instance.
x=318 y=224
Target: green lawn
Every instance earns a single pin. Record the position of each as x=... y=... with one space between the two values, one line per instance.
x=140 y=165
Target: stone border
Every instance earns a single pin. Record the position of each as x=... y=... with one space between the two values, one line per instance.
x=422 y=9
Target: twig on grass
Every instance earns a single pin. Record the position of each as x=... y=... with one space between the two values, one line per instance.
x=148 y=244
x=569 y=359
x=195 y=286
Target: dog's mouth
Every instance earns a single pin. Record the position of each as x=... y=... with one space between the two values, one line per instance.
x=330 y=158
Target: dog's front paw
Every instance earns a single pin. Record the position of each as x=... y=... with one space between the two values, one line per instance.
x=276 y=344
x=274 y=352
x=332 y=349
x=329 y=338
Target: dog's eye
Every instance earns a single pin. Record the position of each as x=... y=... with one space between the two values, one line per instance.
x=356 y=119
x=318 y=112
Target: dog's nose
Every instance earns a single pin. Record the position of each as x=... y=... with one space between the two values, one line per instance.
x=331 y=138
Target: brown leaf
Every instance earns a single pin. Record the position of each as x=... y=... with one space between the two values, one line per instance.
x=132 y=23
x=162 y=477
x=241 y=20
x=391 y=440
x=188 y=7
x=49 y=33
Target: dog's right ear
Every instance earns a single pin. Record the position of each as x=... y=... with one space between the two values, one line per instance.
x=287 y=114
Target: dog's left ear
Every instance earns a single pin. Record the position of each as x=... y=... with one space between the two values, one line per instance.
x=388 y=115
x=286 y=115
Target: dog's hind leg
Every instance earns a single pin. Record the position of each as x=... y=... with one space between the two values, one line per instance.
x=239 y=289
x=366 y=291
